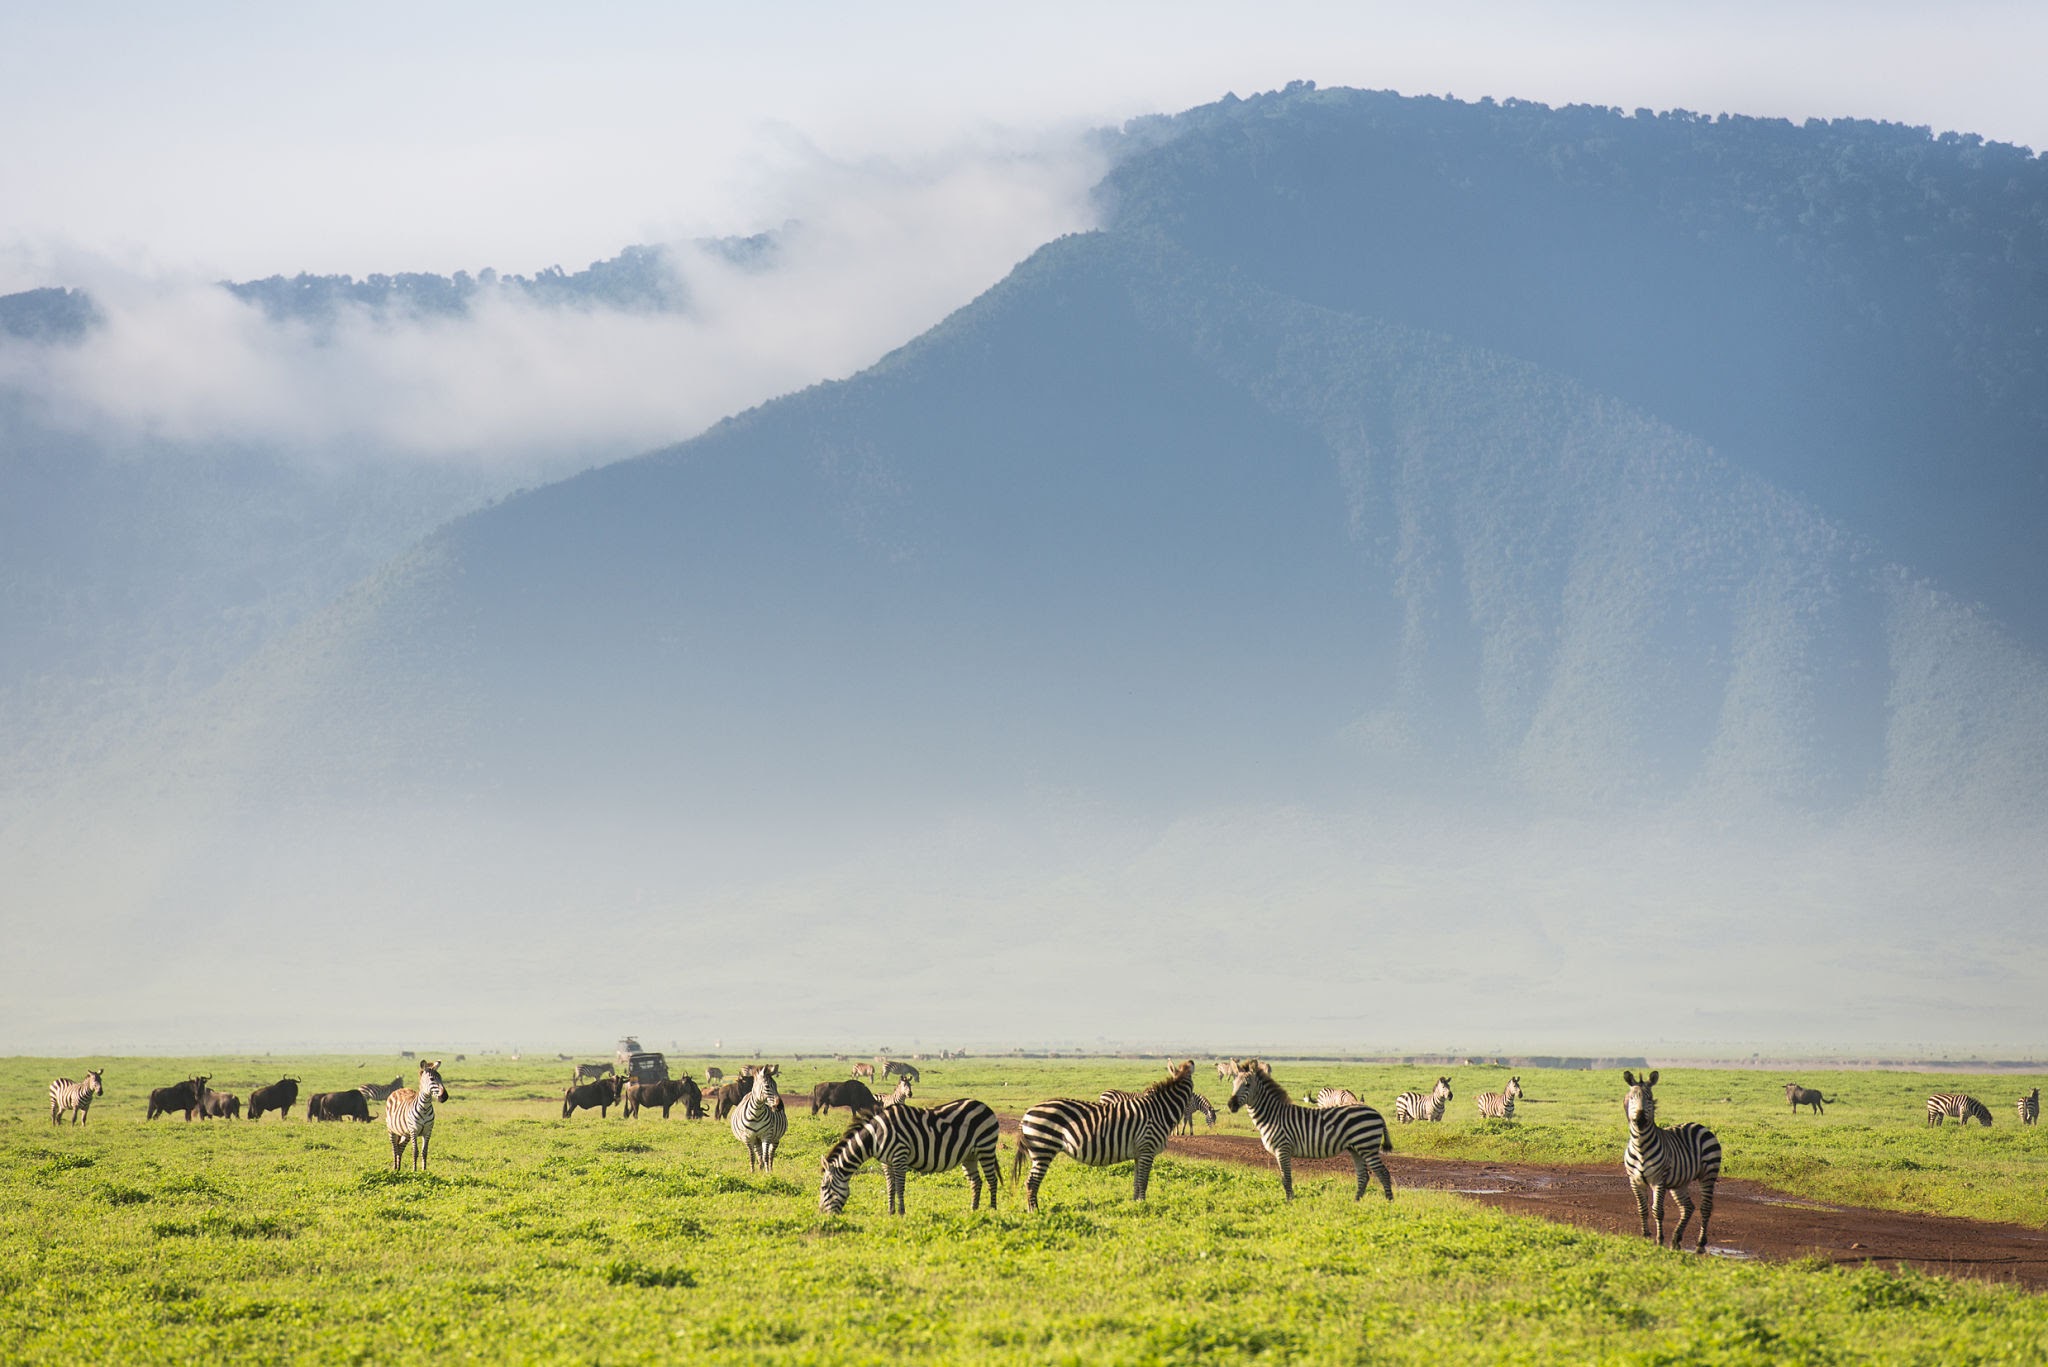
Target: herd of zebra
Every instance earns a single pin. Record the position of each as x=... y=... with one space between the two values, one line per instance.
x=1127 y=1127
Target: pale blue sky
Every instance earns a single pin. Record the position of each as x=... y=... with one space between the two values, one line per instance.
x=244 y=139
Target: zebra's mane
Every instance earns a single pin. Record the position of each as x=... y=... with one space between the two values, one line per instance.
x=1181 y=1072
x=839 y=1144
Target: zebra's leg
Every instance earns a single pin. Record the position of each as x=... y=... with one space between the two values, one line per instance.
x=1683 y=1195
x=1379 y=1165
x=1039 y=1164
x=1706 y=1208
x=1286 y=1161
x=1364 y=1174
x=993 y=1172
x=397 y=1148
x=1657 y=1198
x=1642 y=1190
x=973 y=1181
x=1141 y=1174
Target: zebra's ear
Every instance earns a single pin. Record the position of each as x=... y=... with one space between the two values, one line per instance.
x=1652 y=1079
x=1628 y=1076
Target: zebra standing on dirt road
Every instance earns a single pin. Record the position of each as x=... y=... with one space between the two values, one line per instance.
x=1289 y=1131
x=1962 y=1106
x=1500 y=1105
x=759 y=1121
x=75 y=1097
x=409 y=1115
x=1658 y=1160
x=1127 y=1128
x=906 y=1139
x=1412 y=1106
x=2029 y=1107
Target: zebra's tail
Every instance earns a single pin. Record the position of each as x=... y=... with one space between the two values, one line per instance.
x=1017 y=1160
x=1386 y=1141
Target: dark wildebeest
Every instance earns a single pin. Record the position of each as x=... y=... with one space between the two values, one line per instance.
x=348 y=1105
x=602 y=1094
x=852 y=1094
x=593 y=1071
x=676 y=1091
x=733 y=1093
x=714 y=1073
x=893 y=1068
x=279 y=1096
x=1802 y=1096
x=220 y=1106
x=185 y=1096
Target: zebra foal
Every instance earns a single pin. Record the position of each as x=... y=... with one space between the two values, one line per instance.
x=1413 y=1106
x=1289 y=1131
x=759 y=1121
x=1658 y=1160
x=906 y=1139
x=409 y=1115
x=1121 y=1127
x=1962 y=1106
x=1500 y=1105
x=2029 y=1107
x=75 y=1097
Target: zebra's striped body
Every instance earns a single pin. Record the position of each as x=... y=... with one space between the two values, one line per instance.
x=409 y=1115
x=1500 y=1105
x=75 y=1097
x=2029 y=1107
x=1962 y=1106
x=759 y=1121
x=900 y=1095
x=1658 y=1160
x=1197 y=1105
x=380 y=1091
x=907 y=1139
x=1412 y=1106
x=1333 y=1096
x=1120 y=1128
x=1289 y=1131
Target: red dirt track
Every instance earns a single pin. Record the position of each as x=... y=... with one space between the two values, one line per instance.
x=1750 y=1221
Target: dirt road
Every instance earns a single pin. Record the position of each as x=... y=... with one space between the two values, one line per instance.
x=1750 y=1221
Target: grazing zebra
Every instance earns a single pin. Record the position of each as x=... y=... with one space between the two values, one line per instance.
x=592 y=1071
x=1099 y=1133
x=380 y=1091
x=902 y=1070
x=1330 y=1096
x=1500 y=1105
x=866 y=1070
x=1411 y=1106
x=75 y=1097
x=906 y=1139
x=1963 y=1107
x=1658 y=1160
x=1197 y=1104
x=409 y=1114
x=2029 y=1107
x=1289 y=1131
x=900 y=1095
x=759 y=1121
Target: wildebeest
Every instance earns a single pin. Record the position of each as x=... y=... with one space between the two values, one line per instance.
x=220 y=1106
x=593 y=1071
x=1804 y=1096
x=601 y=1095
x=348 y=1105
x=279 y=1096
x=903 y=1070
x=680 y=1090
x=714 y=1073
x=184 y=1096
x=852 y=1094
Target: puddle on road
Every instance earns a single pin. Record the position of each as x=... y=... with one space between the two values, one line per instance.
x=1723 y=1251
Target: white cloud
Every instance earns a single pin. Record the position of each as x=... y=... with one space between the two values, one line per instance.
x=871 y=253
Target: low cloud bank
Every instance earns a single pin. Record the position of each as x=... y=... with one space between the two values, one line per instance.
x=868 y=255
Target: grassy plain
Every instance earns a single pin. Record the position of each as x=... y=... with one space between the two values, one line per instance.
x=606 y=1240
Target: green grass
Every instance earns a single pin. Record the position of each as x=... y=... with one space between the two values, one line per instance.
x=649 y=1241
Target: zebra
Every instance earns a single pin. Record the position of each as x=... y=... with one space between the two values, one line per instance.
x=1658 y=1160
x=760 y=1121
x=409 y=1114
x=1500 y=1105
x=2029 y=1107
x=1330 y=1096
x=1223 y=1073
x=75 y=1097
x=1289 y=1131
x=1963 y=1107
x=1099 y=1133
x=900 y=1095
x=1411 y=1106
x=380 y=1091
x=905 y=1139
x=1197 y=1104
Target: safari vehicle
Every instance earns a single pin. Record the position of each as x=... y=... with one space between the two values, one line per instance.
x=639 y=1065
